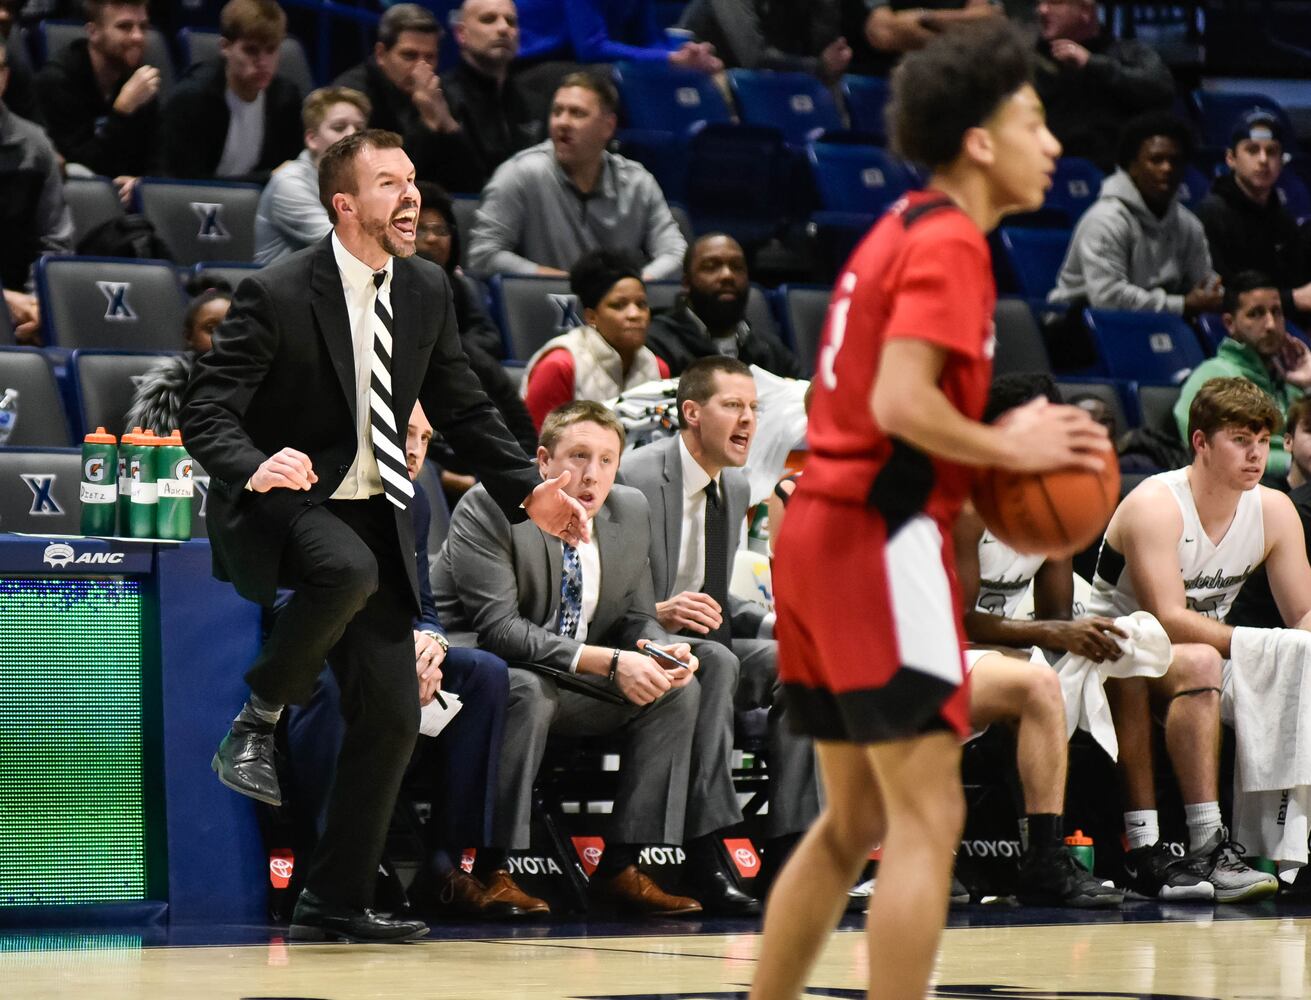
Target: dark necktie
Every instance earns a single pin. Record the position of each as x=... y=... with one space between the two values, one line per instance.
x=715 y=583
x=571 y=593
x=382 y=414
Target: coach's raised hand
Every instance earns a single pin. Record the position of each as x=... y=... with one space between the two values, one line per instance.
x=288 y=469
x=556 y=512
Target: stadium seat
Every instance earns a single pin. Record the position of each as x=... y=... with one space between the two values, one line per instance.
x=40 y=418
x=196 y=45
x=804 y=309
x=664 y=154
x=656 y=96
x=1075 y=186
x=1292 y=191
x=1020 y=346
x=795 y=103
x=1211 y=330
x=56 y=35
x=1109 y=393
x=1193 y=188
x=111 y=304
x=1156 y=407
x=866 y=97
x=232 y=273
x=1155 y=348
x=738 y=177
x=92 y=202
x=39 y=490
x=1217 y=111
x=1035 y=257
x=860 y=179
x=464 y=206
x=531 y=310
x=212 y=220
x=105 y=384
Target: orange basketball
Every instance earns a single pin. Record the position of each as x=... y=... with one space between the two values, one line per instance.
x=1048 y=513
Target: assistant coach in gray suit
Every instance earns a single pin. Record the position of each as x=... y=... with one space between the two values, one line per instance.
x=582 y=610
x=698 y=495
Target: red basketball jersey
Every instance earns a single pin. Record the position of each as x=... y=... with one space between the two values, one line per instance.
x=923 y=272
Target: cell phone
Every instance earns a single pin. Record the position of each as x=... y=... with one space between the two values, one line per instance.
x=666 y=660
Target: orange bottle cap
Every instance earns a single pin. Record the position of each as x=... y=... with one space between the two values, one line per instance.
x=100 y=436
x=1078 y=840
x=173 y=440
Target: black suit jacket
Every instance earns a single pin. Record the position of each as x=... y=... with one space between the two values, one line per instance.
x=282 y=374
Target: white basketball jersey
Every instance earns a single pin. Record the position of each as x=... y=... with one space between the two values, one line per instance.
x=1004 y=576
x=1213 y=574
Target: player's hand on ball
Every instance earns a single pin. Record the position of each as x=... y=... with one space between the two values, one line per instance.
x=1045 y=435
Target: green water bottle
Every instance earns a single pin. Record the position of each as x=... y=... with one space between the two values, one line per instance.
x=127 y=444
x=173 y=479
x=99 y=491
x=1081 y=848
x=145 y=494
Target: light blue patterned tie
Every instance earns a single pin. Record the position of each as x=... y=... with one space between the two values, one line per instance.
x=571 y=593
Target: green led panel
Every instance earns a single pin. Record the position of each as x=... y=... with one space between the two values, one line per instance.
x=72 y=825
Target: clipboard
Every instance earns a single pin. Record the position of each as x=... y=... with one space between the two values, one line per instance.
x=572 y=682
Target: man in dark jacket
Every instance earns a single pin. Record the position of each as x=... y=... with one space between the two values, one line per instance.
x=100 y=99
x=1090 y=82
x=400 y=81
x=233 y=118
x=710 y=315
x=1247 y=226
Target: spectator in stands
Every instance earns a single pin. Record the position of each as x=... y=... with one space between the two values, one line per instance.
x=1137 y=247
x=438 y=240
x=893 y=27
x=290 y=215
x=20 y=94
x=1090 y=81
x=157 y=400
x=781 y=35
x=34 y=217
x=600 y=31
x=692 y=480
x=710 y=315
x=233 y=118
x=548 y=205
x=1247 y=226
x=100 y=100
x=1257 y=348
x=499 y=113
x=400 y=80
x=582 y=615
x=608 y=354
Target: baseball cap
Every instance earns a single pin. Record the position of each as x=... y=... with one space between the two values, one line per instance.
x=1256 y=123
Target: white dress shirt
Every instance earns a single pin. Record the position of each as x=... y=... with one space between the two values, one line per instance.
x=362 y=479
x=691 y=573
x=589 y=563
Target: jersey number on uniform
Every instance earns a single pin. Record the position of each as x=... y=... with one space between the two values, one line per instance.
x=837 y=330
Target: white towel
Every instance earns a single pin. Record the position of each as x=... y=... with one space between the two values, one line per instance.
x=782 y=427
x=1145 y=652
x=1270 y=686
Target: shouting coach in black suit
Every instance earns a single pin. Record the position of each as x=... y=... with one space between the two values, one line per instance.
x=293 y=413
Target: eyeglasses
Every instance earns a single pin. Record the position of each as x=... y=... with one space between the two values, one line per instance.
x=438 y=229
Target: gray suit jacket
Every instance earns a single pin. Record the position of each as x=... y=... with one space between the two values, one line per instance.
x=498 y=585
x=657 y=471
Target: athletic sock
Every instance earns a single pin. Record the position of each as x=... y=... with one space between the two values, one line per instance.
x=1046 y=832
x=1142 y=828
x=1203 y=820
x=257 y=710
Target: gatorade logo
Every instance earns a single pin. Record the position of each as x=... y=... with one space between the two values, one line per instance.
x=211 y=228
x=94 y=470
x=182 y=469
x=134 y=470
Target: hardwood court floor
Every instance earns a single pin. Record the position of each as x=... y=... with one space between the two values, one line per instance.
x=1199 y=956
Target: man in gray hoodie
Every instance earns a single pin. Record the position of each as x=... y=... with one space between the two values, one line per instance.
x=1137 y=248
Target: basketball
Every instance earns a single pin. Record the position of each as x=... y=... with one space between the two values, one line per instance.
x=1055 y=513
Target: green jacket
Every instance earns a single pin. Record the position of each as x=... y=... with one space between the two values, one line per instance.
x=1233 y=359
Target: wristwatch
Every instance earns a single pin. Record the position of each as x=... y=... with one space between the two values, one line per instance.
x=441 y=639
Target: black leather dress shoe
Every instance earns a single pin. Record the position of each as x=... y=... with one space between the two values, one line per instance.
x=720 y=896
x=315 y=920
x=244 y=762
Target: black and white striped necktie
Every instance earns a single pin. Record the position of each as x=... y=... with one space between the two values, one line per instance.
x=382 y=416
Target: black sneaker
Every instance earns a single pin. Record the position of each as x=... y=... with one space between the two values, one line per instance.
x=1053 y=878
x=1154 y=872
x=959 y=895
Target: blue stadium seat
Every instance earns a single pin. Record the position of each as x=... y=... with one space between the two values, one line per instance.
x=1075 y=186
x=531 y=310
x=1035 y=257
x=1194 y=187
x=1211 y=330
x=862 y=179
x=109 y=303
x=1153 y=348
x=202 y=220
x=1292 y=191
x=39 y=490
x=668 y=99
x=795 y=103
x=738 y=177
x=92 y=201
x=40 y=417
x=1217 y=111
x=103 y=382
x=804 y=310
x=664 y=154
x=866 y=97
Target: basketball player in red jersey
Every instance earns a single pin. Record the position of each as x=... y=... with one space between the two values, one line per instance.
x=869 y=621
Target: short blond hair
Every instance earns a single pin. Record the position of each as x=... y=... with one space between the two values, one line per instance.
x=1232 y=402
x=315 y=107
x=580 y=411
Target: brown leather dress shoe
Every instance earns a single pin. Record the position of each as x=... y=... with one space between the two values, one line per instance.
x=461 y=894
x=634 y=891
x=502 y=891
